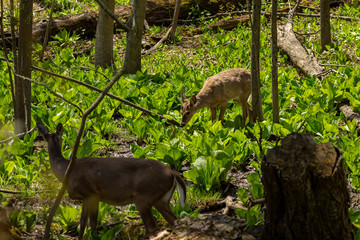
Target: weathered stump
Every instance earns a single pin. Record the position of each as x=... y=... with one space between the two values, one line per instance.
x=305 y=191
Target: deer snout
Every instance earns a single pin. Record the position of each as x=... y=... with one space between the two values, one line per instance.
x=182 y=124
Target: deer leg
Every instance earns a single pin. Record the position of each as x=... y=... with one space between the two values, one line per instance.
x=244 y=108
x=222 y=112
x=213 y=113
x=93 y=209
x=83 y=219
x=147 y=217
x=250 y=112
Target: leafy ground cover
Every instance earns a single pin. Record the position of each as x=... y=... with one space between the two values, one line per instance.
x=213 y=158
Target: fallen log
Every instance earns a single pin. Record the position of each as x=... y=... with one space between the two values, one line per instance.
x=85 y=23
x=349 y=113
x=306 y=193
x=288 y=42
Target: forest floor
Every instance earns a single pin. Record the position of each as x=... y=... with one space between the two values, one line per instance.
x=213 y=222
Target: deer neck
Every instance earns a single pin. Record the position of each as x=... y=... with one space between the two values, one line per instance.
x=201 y=100
x=58 y=163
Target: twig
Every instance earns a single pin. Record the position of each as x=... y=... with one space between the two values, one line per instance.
x=20 y=135
x=307 y=34
x=90 y=69
x=47 y=31
x=6 y=53
x=49 y=89
x=159 y=42
x=9 y=191
x=111 y=14
x=253 y=202
x=332 y=65
x=171 y=121
x=291 y=13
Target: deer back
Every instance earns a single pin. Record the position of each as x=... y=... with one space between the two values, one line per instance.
x=120 y=181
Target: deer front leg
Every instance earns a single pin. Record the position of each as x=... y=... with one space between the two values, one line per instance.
x=213 y=113
x=222 y=112
x=93 y=209
x=83 y=220
x=147 y=217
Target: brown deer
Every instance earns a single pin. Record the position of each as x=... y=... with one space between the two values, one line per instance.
x=116 y=181
x=230 y=84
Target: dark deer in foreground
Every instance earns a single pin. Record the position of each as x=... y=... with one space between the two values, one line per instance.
x=218 y=90
x=117 y=181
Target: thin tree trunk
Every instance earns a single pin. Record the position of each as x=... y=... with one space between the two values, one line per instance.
x=325 y=23
x=255 y=65
x=274 y=67
x=104 y=36
x=175 y=19
x=132 y=62
x=23 y=88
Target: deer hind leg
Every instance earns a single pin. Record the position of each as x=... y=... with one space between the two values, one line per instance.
x=222 y=112
x=147 y=217
x=166 y=212
x=163 y=206
x=245 y=109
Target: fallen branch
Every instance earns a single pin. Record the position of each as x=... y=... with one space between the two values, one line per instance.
x=230 y=203
x=349 y=113
x=297 y=53
x=9 y=191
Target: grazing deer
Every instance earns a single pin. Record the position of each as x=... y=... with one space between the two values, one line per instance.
x=117 y=181
x=218 y=90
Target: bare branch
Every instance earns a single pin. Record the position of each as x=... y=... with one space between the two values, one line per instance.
x=5 y=52
x=171 y=121
x=47 y=31
x=20 y=135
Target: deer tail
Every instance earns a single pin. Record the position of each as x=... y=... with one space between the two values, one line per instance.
x=182 y=188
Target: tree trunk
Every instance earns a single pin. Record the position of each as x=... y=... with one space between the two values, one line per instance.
x=175 y=19
x=274 y=66
x=305 y=191
x=23 y=88
x=132 y=62
x=255 y=64
x=325 y=23
x=104 y=36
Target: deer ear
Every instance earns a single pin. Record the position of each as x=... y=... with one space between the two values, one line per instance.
x=193 y=100
x=42 y=129
x=183 y=97
x=59 y=129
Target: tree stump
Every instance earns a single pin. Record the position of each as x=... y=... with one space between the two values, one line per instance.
x=305 y=191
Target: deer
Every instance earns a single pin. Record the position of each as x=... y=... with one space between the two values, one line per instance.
x=230 y=84
x=117 y=181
